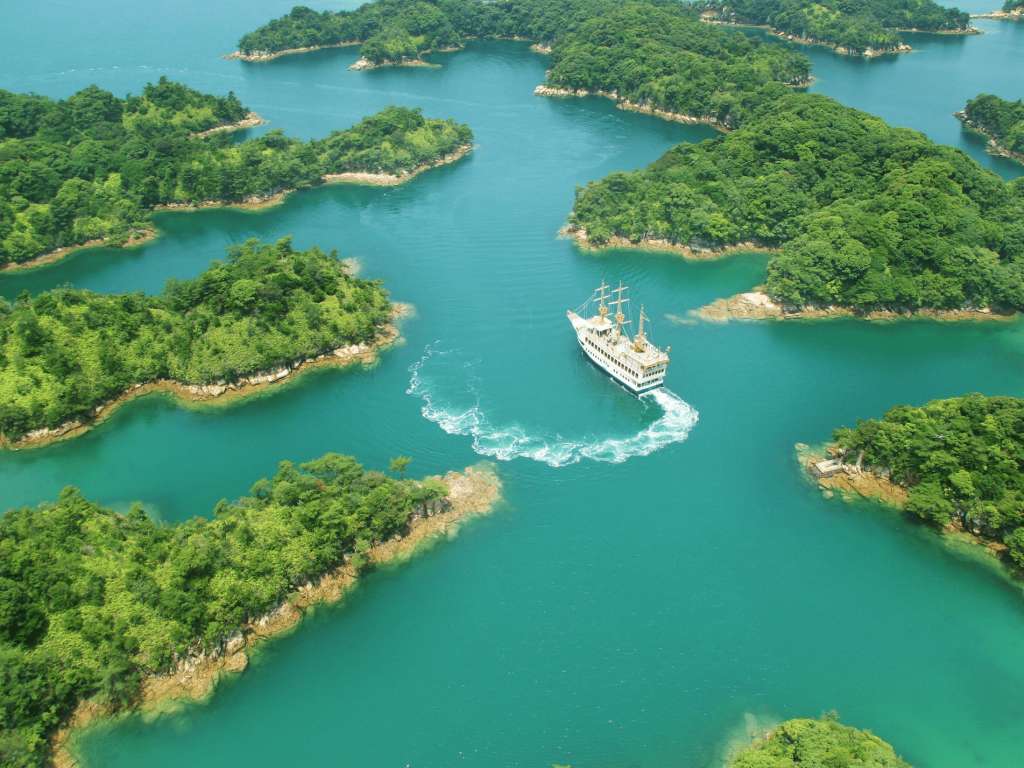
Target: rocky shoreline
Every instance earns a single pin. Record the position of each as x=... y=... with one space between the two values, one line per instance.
x=221 y=390
x=473 y=492
x=268 y=55
x=868 y=52
x=251 y=120
x=364 y=64
x=135 y=237
x=629 y=106
x=878 y=484
x=692 y=250
x=1015 y=15
x=993 y=147
x=256 y=202
x=757 y=305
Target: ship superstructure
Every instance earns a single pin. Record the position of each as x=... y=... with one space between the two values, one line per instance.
x=635 y=363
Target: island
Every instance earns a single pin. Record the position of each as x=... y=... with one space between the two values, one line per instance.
x=866 y=28
x=68 y=357
x=88 y=170
x=653 y=57
x=863 y=217
x=822 y=742
x=955 y=463
x=1002 y=121
x=100 y=611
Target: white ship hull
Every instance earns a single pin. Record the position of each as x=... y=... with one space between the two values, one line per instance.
x=615 y=355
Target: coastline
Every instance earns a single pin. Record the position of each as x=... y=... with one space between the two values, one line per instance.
x=473 y=492
x=757 y=305
x=221 y=391
x=876 y=484
x=686 y=250
x=267 y=55
x=256 y=202
x=1015 y=15
x=629 y=106
x=251 y=120
x=868 y=52
x=993 y=147
x=136 y=237
x=365 y=64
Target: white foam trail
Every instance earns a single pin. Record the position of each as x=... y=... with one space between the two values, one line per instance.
x=509 y=442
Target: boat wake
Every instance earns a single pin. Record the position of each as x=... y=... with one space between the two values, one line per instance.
x=507 y=442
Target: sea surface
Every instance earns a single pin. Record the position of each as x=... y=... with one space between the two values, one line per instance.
x=660 y=577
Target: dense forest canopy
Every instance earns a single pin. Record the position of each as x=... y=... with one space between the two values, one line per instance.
x=964 y=458
x=855 y=25
x=91 y=600
x=1002 y=120
x=67 y=351
x=866 y=215
x=814 y=743
x=93 y=166
x=1013 y=5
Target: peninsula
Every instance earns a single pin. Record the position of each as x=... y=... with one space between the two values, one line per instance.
x=88 y=170
x=67 y=357
x=1012 y=9
x=101 y=611
x=867 y=28
x=956 y=463
x=818 y=742
x=1002 y=121
x=854 y=229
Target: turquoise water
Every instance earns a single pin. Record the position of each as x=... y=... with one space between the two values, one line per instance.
x=659 y=570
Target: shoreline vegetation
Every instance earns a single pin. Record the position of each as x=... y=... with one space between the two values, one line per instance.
x=1013 y=10
x=103 y=611
x=1000 y=120
x=630 y=106
x=473 y=492
x=90 y=169
x=68 y=356
x=135 y=238
x=818 y=742
x=954 y=463
x=868 y=28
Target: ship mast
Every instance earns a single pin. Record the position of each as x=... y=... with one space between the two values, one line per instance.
x=619 y=317
x=603 y=309
x=638 y=342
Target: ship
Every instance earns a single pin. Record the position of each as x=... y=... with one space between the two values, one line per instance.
x=635 y=363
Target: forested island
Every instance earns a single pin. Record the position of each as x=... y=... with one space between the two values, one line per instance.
x=89 y=169
x=1002 y=121
x=822 y=742
x=957 y=463
x=67 y=354
x=112 y=607
x=1012 y=9
x=655 y=53
x=864 y=215
x=865 y=27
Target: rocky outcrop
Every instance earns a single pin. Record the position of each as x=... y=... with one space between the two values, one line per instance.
x=366 y=64
x=1015 y=15
x=268 y=55
x=757 y=305
x=694 y=249
x=251 y=120
x=630 y=106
